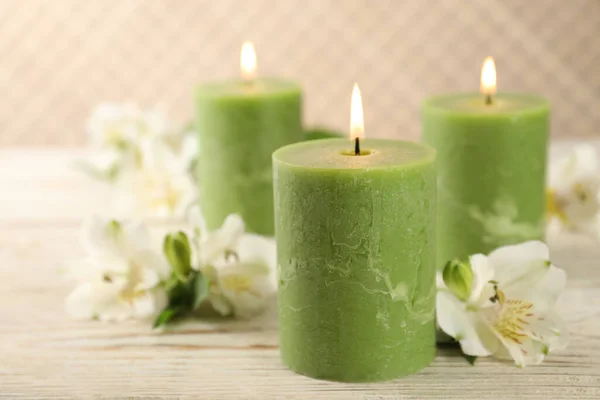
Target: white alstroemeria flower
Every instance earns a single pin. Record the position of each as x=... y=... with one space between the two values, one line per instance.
x=184 y=144
x=239 y=265
x=105 y=164
x=161 y=187
x=120 y=276
x=573 y=197
x=502 y=304
x=120 y=125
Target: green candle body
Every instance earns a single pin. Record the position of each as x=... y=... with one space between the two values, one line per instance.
x=491 y=170
x=239 y=125
x=356 y=258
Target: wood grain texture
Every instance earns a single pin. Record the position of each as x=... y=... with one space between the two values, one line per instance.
x=46 y=355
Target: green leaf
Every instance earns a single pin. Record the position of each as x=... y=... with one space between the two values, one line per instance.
x=164 y=317
x=470 y=359
x=201 y=289
x=181 y=295
x=171 y=283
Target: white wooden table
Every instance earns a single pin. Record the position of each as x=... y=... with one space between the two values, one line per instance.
x=46 y=355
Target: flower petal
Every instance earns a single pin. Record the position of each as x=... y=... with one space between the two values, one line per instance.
x=188 y=151
x=451 y=314
x=454 y=319
x=258 y=249
x=550 y=329
x=79 y=303
x=439 y=281
x=88 y=269
x=147 y=279
x=100 y=299
x=525 y=353
x=223 y=239
x=135 y=236
x=545 y=293
x=148 y=303
x=151 y=261
x=196 y=220
x=483 y=272
x=482 y=342
x=95 y=238
x=248 y=305
x=220 y=305
x=160 y=298
x=246 y=286
x=233 y=228
x=518 y=267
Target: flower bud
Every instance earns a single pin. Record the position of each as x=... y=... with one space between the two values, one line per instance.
x=113 y=229
x=458 y=277
x=177 y=251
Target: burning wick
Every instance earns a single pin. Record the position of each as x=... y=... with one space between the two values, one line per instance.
x=357 y=126
x=488 y=79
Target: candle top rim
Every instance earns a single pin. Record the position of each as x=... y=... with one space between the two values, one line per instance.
x=506 y=103
x=327 y=155
x=240 y=87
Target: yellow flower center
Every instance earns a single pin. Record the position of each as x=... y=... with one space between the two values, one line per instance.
x=161 y=194
x=553 y=207
x=113 y=136
x=512 y=318
x=131 y=291
x=168 y=200
x=237 y=283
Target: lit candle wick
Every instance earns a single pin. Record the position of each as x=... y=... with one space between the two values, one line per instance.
x=488 y=79
x=357 y=126
x=248 y=62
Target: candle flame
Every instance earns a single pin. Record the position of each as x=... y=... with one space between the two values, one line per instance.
x=248 y=61
x=357 y=124
x=488 y=77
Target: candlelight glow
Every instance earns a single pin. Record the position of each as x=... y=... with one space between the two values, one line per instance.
x=248 y=61
x=488 y=77
x=357 y=124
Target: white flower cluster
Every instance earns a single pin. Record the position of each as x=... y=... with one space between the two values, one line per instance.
x=123 y=277
x=120 y=276
x=147 y=160
x=573 y=197
x=240 y=266
x=503 y=304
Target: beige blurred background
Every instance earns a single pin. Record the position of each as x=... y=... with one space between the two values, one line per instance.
x=60 y=58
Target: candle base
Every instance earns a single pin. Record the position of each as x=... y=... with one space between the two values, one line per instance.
x=321 y=363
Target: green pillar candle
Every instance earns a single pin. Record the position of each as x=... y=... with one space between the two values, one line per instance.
x=356 y=258
x=240 y=124
x=491 y=170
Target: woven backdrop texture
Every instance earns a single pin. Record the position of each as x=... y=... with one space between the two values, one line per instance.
x=60 y=58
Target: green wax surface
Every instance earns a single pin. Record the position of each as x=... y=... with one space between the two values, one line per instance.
x=491 y=170
x=239 y=125
x=356 y=258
